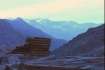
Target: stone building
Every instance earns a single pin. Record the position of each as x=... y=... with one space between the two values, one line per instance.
x=35 y=46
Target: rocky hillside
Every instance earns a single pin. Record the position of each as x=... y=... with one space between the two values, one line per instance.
x=8 y=36
x=90 y=43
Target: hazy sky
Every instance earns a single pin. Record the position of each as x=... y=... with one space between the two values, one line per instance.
x=74 y=10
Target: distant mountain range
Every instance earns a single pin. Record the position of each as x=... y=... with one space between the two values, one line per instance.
x=60 y=29
x=89 y=43
x=14 y=32
x=29 y=31
x=8 y=36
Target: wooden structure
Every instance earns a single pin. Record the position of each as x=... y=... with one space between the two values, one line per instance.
x=35 y=46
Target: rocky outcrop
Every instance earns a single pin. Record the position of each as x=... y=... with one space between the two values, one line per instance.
x=89 y=43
